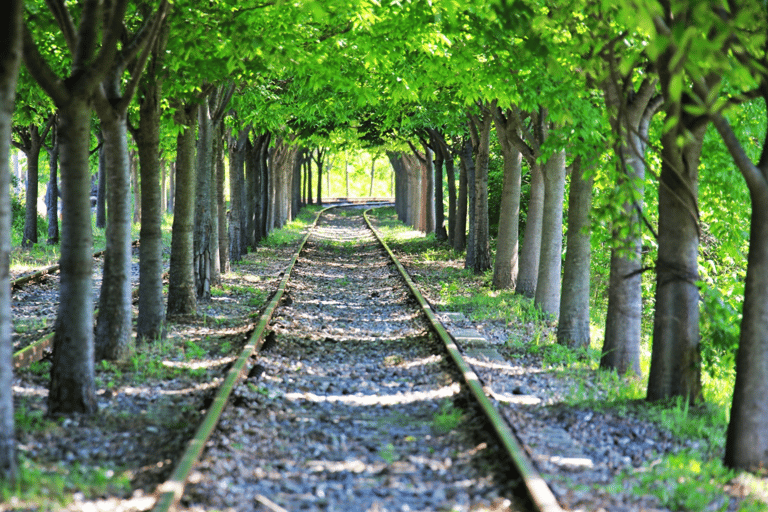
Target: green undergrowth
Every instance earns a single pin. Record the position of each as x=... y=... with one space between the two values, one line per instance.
x=51 y=487
x=293 y=231
x=691 y=478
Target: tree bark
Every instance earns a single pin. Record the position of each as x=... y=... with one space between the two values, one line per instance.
x=482 y=251
x=114 y=323
x=237 y=152
x=528 y=270
x=72 y=387
x=675 y=356
x=10 y=41
x=573 y=323
x=151 y=317
x=547 y=296
x=506 y=264
x=31 y=140
x=221 y=205
x=101 y=186
x=52 y=192
x=469 y=166
x=746 y=444
x=630 y=120
x=203 y=256
x=460 y=239
x=181 y=277
x=319 y=163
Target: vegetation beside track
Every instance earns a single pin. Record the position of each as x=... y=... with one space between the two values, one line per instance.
x=692 y=479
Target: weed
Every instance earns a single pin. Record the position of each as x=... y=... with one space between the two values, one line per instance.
x=388 y=453
x=30 y=420
x=448 y=418
x=193 y=350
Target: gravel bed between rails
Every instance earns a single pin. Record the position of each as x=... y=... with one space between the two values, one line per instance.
x=347 y=407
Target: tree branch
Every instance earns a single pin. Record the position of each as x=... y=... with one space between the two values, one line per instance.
x=64 y=20
x=41 y=71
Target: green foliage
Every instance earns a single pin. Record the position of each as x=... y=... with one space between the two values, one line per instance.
x=18 y=210
x=50 y=487
x=448 y=418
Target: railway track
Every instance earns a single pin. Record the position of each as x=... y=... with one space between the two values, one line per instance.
x=34 y=306
x=351 y=395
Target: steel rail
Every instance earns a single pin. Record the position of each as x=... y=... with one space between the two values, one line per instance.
x=538 y=491
x=170 y=492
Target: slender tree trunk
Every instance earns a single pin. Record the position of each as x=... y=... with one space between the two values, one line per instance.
x=10 y=41
x=506 y=265
x=252 y=200
x=469 y=165
x=203 y=256
x=482 y=237
x=237 y=151
x=460 y=239
x=319 y=163
x=223 y=239
x=439 y=161
x=264 y=186
x=171 y=187
x=547 y=295
x=528 y=270
x=151 y=318
x=136 y=184
x=429 y=190
x=573 y=324
x=52 y=193
x=181 y=277
x=114 y=323
x=101 y=186
x=72 y=387
x=373 y=175
x=33 y=174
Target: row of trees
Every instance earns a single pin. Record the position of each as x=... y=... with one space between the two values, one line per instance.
x=566 y=88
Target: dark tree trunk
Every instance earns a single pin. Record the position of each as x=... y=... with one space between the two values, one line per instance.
x=72 y=388
x=469 y=166
x=506 y=265
x=460 y=239
x=675 y=357
x=482 y=251
x=319 y=162
x=151 y=318
x=203 y=255
x=237 y=153
x=52 y=192
x=438 y=164
x=429 y=189
x=10 y=41
x=171 y=187
x=264 y=186
x=136 y=185
x=445 y=157
x=221 y=205
x=181 y=278
x=33 y=175
x=101 y=186
x=746 y=444
x=573 y=324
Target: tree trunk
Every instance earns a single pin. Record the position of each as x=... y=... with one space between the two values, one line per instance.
x=460 y=238
x=438 y=163
x=264 y=186
x=482 y=237
x=136 y=184
x=114 y=323
x=10 y=41
x=469 y=165
x=171 y=187
x=237 y=152
x=373 y=175
x=319 y=163
x=203 y=256
x=33 y=174
x=675 y=358
x=429 y=190
x=221 y=205
x=101 y=187
x=528 y=270
x=506 y=265
x=151 y=318
x=573 y=324
x=52 y=192
x=547 y=295
x=72 y=386
x=181 y=277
